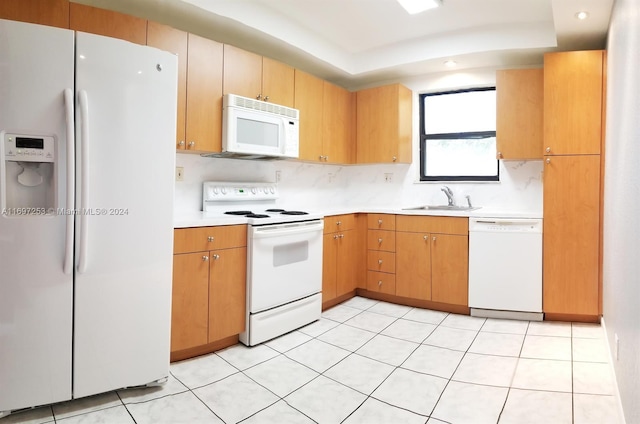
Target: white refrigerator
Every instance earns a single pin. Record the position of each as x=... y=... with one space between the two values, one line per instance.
x=87 y=158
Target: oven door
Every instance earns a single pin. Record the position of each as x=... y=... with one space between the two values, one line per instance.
x=284 y=263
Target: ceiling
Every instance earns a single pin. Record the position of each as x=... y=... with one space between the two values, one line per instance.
x=355 y=43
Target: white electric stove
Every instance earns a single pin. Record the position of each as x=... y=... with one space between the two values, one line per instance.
x=284 y=257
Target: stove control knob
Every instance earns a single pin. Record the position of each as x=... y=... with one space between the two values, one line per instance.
x=254 y=190
x=223 y=190
x=272 y=190
x=266 y=190
x=215 y=190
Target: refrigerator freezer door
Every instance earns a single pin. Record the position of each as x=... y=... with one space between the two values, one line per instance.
x=125 y=125
x=36 y=64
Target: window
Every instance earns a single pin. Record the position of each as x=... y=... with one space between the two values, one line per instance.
x=458 y=136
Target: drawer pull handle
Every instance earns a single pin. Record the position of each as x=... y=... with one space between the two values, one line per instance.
x=379 y=222
x=380 y=261
x=380 y=240
x=205 y=258
x=210 y=239
x=379 y=283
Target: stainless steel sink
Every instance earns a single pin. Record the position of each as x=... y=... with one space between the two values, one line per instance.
x=443 y=208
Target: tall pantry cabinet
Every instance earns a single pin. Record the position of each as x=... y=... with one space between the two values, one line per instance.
x=573 y=128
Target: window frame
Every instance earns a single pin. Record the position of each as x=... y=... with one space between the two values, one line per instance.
x=452 y=136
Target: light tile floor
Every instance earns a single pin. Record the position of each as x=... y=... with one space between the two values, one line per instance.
x=374 y=362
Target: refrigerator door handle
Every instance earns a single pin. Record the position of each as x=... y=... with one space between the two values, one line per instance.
x=84 y=184
x=71 y=170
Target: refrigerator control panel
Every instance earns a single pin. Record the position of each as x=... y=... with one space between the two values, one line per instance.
x=29 y=148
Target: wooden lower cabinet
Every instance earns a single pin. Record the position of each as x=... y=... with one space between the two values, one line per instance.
x=209 y=287
x=571 y=235
x=381 y=282
x=227 y=292
x=329 y=267
x=450 y=269
x=413 y=265
x=190 y=301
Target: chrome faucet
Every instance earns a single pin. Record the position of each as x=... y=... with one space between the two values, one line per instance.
x=469 y=201
x=449 y=194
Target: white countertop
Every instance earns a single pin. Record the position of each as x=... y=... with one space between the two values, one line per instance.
x=199 y=219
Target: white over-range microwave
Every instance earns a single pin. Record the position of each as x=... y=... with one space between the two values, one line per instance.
x=257 y=129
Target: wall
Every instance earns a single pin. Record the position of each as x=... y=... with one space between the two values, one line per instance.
x=621 y=296
x=316 y=186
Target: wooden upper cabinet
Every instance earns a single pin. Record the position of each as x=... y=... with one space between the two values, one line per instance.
x=519 y=114
x=174 y=41
x=251 y=75
x=204 y=95
x=571 y=235
x=242 y=73
x=383 y=124
x=338 y=141
x=309 y=100
x=107 y=22
x=277 y=82
x=573 y=99
x=44 y=12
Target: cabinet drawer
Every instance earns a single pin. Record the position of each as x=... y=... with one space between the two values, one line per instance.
x=339 y=223
x=433 y=224
x=381 y=261
x=381 y=282
x=200 y=239
x=381 y=240
x=381 y=221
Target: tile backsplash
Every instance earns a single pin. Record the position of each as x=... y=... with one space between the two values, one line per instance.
x=320 y=186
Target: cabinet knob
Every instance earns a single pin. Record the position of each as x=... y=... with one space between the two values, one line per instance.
x=434 y=238
x=216 y=256
x=379 y=261
x=499 y=155
x=380 y=240
x=379 y=222
x=394 y=159
x=548 y=161
x=548 y=150
x=335 y=237
x=339 y=223
x=341 y=236
x=266 y=98
x=181 y=143
x=320 y=157
x=326 y=158
x=210 y=239
x=425 y=238
x=259 y=96
x=205 y=258
x=379 y=283
x=192 y=143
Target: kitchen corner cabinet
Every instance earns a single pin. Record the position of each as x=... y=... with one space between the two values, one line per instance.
x=384 y=124
x=209 y=285
x=519 y=114
x=381 y=253
x=340 y=264
x=108 y=23
x=52 y=12
x=573 y=102
x=251 y=75
x=432 y=258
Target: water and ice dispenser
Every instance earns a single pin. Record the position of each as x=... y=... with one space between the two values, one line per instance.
x=29 y=180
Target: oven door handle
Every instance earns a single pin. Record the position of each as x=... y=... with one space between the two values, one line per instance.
x=287 y=229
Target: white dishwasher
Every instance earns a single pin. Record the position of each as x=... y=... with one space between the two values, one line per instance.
x=505 y=267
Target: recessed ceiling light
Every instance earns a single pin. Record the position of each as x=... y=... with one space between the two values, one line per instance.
x=450 y=63
x=417 y=6
x=582 y=15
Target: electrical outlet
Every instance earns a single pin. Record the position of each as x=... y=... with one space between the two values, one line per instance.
x=388 y=177
x=278 y=176
x=616 y=348
x=179 y=173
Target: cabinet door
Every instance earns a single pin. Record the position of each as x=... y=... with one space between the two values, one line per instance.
x=52 y=12
x=571 y=234
x=242 y=73
x=381 y=282
x=190 y=300
x=347 y=263
x=337 y=127
x=329 y=266
x=450 y=269
x=175 y=41
x=277 y=82
x=227 y=292
x=573 y=87
x=204 y=95
x=308 y=99
x=413 y=265
x=519 y=113
x=107 y=22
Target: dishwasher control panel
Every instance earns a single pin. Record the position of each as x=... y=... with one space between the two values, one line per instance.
x=506 y=225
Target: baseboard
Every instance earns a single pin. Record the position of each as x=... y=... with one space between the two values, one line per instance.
x=615 y=380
